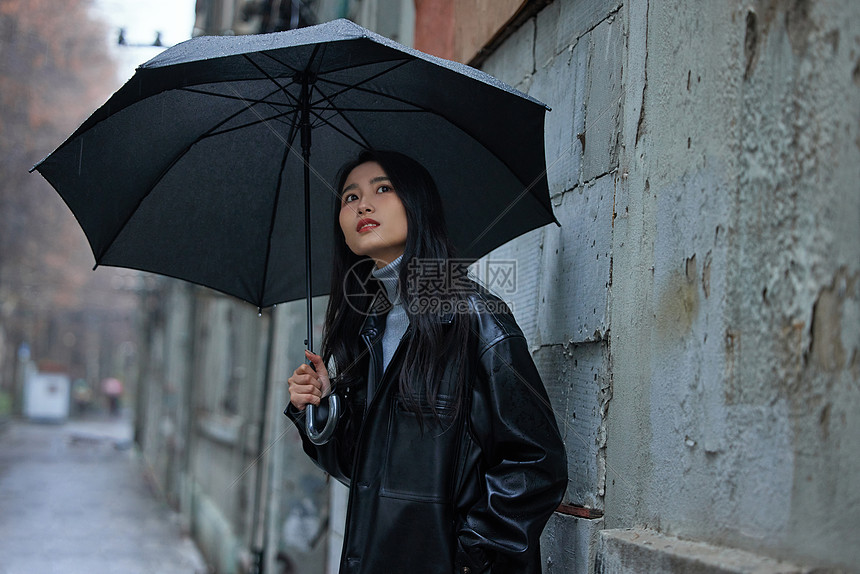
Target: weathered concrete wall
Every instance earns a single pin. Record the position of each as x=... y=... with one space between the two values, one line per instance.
x=696 y=315
x=734 y=301
x=569 y=55
x=631 y=551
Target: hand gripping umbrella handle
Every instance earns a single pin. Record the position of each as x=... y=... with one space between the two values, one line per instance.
x=328 y=412
x=324 y=416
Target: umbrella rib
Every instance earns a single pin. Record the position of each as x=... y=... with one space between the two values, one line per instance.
x=348 y=87
x=272 y=79
x=329 y=99
x=271 y=57
x=339 y=69
x=284 y=64
x=251 y=102
x=272 y=223
x=260 y=120
x=284 y=140
x=358 y=87
x=333 y=107
x=401 y=61
x=418 y=108
x=364 y=143
x=293 y=125
x=294 y=130
x=372 y=110
x=415 y=107
x=265 y=99
x=158 y=179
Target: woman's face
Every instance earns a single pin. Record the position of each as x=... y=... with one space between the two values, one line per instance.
x=372 y=217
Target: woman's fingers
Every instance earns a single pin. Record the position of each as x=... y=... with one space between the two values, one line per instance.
x=321 y=371
x=306 y=389
x=305 y=370
x=309 y=383
x=304 y=395
x=318 y=365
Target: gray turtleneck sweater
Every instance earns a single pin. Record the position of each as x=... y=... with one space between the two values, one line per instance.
x=396 y=321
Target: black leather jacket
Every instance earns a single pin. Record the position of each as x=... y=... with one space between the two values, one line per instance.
x=469 y=494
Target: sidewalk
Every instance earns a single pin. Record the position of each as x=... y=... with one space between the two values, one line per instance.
x=73 y=500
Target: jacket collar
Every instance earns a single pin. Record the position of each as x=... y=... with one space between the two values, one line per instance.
x=374 y=318
x=375 y=315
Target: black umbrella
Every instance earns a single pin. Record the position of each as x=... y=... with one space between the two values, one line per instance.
x=214 y=163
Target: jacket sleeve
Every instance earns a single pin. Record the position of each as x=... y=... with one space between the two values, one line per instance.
x=521 y=461
x=335 y=456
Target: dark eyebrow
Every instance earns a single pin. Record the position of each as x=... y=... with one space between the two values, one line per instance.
x=376 y=179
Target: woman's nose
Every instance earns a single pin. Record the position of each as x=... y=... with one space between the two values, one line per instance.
x=364 y=207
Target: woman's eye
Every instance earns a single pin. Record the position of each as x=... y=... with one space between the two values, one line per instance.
x=349 y=197
x=383 y=189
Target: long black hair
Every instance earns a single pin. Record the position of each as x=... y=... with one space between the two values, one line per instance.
x=433 y=346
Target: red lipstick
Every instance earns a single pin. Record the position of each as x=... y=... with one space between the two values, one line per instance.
x=366 y=224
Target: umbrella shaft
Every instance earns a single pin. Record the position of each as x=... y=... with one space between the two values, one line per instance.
x=306 y=160
x=306 y=154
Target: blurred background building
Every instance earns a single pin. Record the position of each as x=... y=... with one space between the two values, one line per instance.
x=394 y=19
x=55 y=315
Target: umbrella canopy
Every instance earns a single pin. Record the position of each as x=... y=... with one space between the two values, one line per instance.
x=194 y=168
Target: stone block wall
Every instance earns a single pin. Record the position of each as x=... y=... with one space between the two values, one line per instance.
x=695 y=317
x=569 y=55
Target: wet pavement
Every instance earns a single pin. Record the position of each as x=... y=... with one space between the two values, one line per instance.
x=73 y=499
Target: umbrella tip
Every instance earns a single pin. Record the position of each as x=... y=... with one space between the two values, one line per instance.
x=36 y=166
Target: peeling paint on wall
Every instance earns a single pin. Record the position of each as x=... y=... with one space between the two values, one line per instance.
x=678 y=302
x=836 y=303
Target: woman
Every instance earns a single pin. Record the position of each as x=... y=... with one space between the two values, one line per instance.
x=447 y=441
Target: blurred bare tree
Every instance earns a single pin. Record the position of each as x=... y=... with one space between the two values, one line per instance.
x=55 y=69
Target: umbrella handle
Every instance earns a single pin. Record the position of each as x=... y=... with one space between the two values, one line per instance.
x=326 y=417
